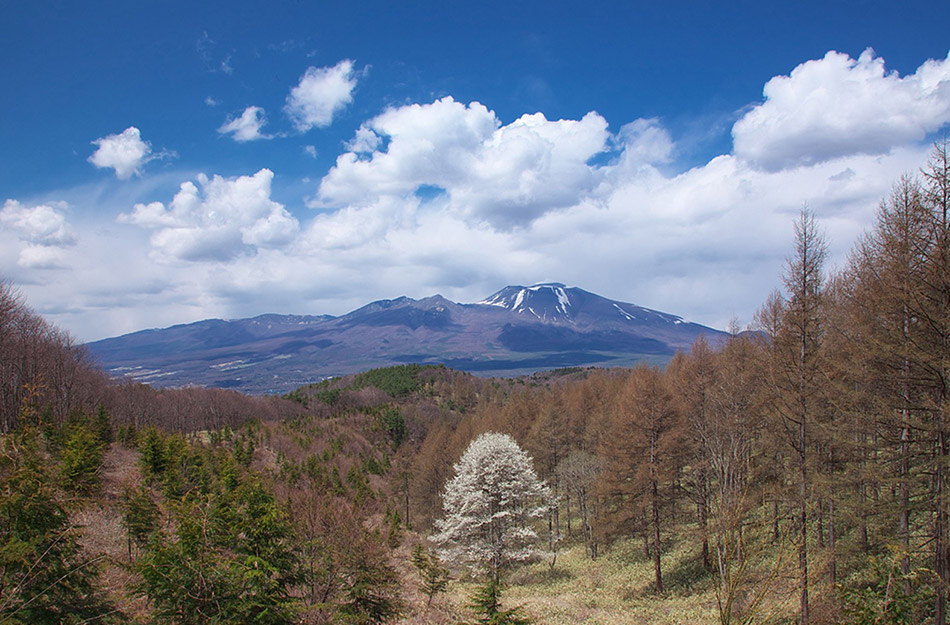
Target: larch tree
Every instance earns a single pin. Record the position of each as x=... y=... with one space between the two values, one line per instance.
x=795 y=370
x=548 y=442
x=935 y=325
x=641 y=450
x=749 y=554
x=490 y=506
x=577 y=473
x=887 y=267
x=692 y=378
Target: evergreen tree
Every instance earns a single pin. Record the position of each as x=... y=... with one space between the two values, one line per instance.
x=140 y=517
x=370 y=593
x=81 y=458
x=434 y=576
x=45 y=577
x=153 y=454
x=229 y=562
x=486 y=603
x=102 y=424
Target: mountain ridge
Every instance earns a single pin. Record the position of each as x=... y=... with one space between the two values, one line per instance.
x=516 y=330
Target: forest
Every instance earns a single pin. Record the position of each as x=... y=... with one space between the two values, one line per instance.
x=796 y=474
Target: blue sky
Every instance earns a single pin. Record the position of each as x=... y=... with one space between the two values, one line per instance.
x=164 y=162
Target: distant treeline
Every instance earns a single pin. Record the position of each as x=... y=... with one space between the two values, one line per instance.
x=45 y=372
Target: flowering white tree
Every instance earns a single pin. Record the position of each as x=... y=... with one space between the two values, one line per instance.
x=489 y=505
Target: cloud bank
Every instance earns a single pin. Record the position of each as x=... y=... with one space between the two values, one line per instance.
x=504 y=176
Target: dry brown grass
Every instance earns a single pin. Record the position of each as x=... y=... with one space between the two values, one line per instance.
x=615 y=589
x=120 y=470
x=103 y=536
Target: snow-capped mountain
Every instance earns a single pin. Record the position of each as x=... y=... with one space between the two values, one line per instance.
x=547 y=302
x=516 y=330
x=553 y=303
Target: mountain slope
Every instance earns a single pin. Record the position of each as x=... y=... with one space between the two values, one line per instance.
x=516 y=330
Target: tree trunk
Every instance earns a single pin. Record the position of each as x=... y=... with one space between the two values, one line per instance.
x=940 y=528
x=803 y=484
x=938 y=176
x=656 y=540
x=833 y=563
x=655 y=510
x=567 y=510
x=904 y=502
x=775 y=520
x=803 y=527
x=704 y=518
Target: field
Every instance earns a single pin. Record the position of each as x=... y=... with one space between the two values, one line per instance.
x=614 y=589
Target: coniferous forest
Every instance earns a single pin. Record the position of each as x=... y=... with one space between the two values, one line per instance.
x=798 y=473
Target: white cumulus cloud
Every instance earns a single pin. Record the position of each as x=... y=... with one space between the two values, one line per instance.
x=125 y=152
x=247 y=127
x=506 y=175
x=217 y=219
x=41 y=234
x=645 y=141
x=365 y=141
x=837 y=106
x=321 y=93
x=39 y=225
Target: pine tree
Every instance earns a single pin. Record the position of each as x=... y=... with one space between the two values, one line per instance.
x=140 y=516
x=486 y=603
x=231 y=560
x=434 y=576
x=45 y=577
x=81 y=458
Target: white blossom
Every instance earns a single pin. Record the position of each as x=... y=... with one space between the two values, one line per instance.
x=490 y=504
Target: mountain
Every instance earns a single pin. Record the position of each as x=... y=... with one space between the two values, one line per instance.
x=514 y=331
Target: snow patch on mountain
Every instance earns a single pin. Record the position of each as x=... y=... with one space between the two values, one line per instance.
x=623 y=312
x=532 y=299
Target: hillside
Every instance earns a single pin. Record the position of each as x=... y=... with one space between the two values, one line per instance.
x=515 y=331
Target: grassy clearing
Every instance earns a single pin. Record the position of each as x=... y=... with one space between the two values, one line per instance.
x=617 y=588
